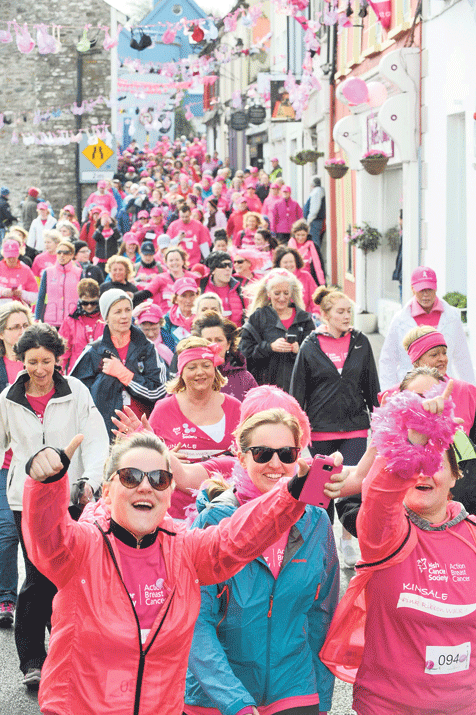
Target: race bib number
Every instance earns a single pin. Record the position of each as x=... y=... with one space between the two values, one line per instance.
x=126 y=398
x=442 y=660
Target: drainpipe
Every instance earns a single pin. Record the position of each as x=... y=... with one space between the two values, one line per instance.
x=78 y=123
x=332 y=208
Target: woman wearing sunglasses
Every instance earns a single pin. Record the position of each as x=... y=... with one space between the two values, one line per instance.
x=57 y=295
x=262 y=629
x=83 y=325
x=129 y=578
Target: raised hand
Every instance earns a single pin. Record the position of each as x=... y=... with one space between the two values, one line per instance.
x=47 y=463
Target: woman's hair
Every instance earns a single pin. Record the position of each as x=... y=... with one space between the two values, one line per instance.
x=66 y=244
x=326 y=296
x=8 y=309
x=210 y=319
x=416 y=333
x=275 y=416
x=177 y=249
x=299 y=225
x=19 y=229
x=40 y=335
x=282 y=251
x=177 y=384
x=88 y=286
x=251 y=214
x=139 y=440
x=125 y=262
x=261 y=289
x=208 y=294
x=417 y=372
x=54 y=235
x=271 y=240
x=123 y=246
x=73 y=231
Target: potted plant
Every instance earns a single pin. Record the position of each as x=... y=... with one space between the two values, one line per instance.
x=458 y=300
x=374 y=161
x=368 y=239
x=336 y=168
x=306 y=156
x=393 y=237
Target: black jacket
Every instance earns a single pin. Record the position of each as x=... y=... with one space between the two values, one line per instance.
x=6 y=216
x=333 y=401
x=147 y=385
x=106 y=247
x=263 y=328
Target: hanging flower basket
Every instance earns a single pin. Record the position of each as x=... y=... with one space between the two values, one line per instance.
x=336 y=171
x=374 y=162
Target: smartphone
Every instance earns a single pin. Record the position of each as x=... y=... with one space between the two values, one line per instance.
x=322 y=468
x=108 y=354
x=291 y=338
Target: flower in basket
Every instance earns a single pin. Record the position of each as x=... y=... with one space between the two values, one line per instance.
x=364 y=237
x=334 y=162
x=375 y=154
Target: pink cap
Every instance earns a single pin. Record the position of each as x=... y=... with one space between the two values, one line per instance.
x=254 y=169
x=423 y=277
x=130 y=170
x=156 y=211
x=143 y=214
x=275 y=159
x=105 y=212
x=144 y=174
x=286 y=188
x=69 y=208
x=151 y=314
x=10 y=248
x=102 y=184
x=184 y=284
x=129 y=238
x=275 y=186
x=268 y=397
x=43 y=205
x=151 y=164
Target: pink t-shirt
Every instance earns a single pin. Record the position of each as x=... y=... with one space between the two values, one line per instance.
x=42 y=261
x=13 y=367
x=421 y=317
x=38 y=404
x=195 y=235
x=145 y=577
x=289 y=321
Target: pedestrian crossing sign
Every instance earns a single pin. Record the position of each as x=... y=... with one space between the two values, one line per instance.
x=98 y=153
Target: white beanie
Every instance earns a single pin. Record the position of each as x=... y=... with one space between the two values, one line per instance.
x=109 y=297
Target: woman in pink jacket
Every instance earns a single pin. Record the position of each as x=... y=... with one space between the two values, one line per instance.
x=59 y=285
x=405 y=631
x=129 y=578
x=285 y=212
x=82 y=326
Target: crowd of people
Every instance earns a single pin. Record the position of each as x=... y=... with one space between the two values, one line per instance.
x=172 y=361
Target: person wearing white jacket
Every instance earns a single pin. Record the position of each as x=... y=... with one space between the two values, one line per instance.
x=43 y=407
x=425 y=308
x=44 y=222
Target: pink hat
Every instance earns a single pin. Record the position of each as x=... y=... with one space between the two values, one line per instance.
x=274 y=185
x=254 y=258
x=286 y=188
x=34 y=192
x=102 y=184
x=150 y=314
x=105 y=212
x=143 y=214
x=130 y=170
x=268 y=397
x=151 y=164
x=184 y=284
x=43 y=205
x=69 y=209
x=156 y=211
x=129 y=238
x=423 y=277
x=254 y=169
x=275 y=159
x=10 y=248
x=143 y=174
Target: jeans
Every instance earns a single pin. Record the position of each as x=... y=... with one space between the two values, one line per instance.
x=315 y=230
x=8 y=546
x=33 y=612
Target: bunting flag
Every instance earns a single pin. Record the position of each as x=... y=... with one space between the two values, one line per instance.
x=383 y=10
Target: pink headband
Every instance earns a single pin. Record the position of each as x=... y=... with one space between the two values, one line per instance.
x=421 y=345
x=209 y=352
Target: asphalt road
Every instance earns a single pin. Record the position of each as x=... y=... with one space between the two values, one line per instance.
x=16 y=700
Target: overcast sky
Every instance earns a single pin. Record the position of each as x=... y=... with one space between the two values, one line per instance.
x=140 y=8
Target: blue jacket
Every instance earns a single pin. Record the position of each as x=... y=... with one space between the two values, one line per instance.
x=147 y=385
x=257 y=639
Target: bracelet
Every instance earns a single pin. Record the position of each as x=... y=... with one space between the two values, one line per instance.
x=404 y=411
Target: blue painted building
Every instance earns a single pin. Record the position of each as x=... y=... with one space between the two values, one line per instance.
x=134 y=107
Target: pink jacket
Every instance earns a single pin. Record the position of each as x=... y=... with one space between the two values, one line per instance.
x=61 y=290
x=268 y=207
x=14 y=278
x=74 y=331
x=196 y=236
x=309 y=286
x=285 y=213
x=94 y=628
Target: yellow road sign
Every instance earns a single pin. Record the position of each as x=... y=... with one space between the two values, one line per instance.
x=98 y=153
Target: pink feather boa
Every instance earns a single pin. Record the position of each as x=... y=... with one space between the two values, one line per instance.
x=404 y=411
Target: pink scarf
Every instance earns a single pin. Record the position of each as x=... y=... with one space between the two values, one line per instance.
x=177 y=318
x=245 y=489
x=309 y=255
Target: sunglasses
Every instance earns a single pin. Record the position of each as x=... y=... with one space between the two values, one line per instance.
x=89 y=302
x=63 y=253
x=238 y=263
x=286 y=455
x=226 y=264
x=130 y=477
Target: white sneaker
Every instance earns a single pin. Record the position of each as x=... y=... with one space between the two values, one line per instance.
x=348 y=554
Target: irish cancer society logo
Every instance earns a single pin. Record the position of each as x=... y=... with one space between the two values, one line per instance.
x=422 y=565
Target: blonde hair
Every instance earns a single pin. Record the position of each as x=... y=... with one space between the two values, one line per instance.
x=177 y=384
x=274 y=416
x=66 y=244
x=55 y=235
x=251 y=214
x=8 y=309
x=126 y=262
x=139 y=440
x=260 y=290
x=416 y=333
x=207 y=295
x=417 y=372
x=327 y=296
x=20 y=230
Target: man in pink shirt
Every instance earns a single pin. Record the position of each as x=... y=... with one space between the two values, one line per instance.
x=102 y=198
x=285 y=212
x=270 y=201
x=193 y=236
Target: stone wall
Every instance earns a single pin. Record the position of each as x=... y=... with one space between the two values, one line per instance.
x=34 y=82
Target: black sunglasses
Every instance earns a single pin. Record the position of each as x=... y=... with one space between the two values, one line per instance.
x=238 y=263
x=226 y=264
x=261 y=455
x=89 y=302
x=130 y=477
x=63 y=253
